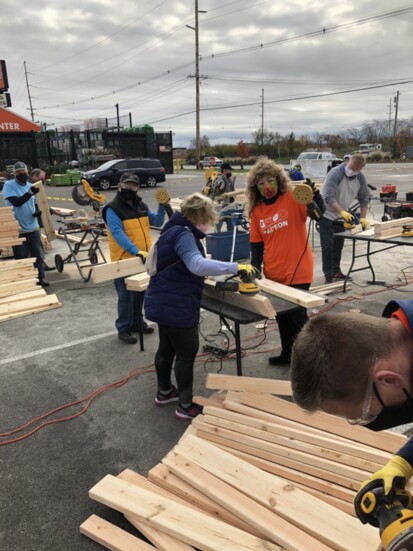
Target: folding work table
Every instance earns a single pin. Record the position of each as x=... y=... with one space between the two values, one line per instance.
x=386 y=244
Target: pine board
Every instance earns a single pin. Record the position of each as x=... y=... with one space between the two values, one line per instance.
x=296 y=296
x=192 y=527
x=273 y=527
x=310 y=514
x=254 y=384
x=113 y=270
x=112 y=537
x=43 y=205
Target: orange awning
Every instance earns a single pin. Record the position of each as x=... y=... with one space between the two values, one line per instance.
x=10 y=122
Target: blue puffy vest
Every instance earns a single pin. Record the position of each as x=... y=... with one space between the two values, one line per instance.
x=173 y=297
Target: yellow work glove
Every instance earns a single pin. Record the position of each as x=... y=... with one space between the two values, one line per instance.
x=248 y=271
x=142 y=255
x=394 y=475
x=364 y=223
x=347 y=217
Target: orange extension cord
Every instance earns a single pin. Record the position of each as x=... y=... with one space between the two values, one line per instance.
x=88 y=399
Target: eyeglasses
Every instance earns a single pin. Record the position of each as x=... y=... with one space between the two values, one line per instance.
x=366 y=417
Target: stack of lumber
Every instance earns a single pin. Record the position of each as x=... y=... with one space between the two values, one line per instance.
x=9 y=228
x=19 y=293
x=253 y=472
x=391 y=228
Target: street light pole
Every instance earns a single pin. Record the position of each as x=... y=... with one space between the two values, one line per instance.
x=198 y=123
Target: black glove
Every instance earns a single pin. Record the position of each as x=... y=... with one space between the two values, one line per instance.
x=34 y=190
x=37 y=213
x=142 y=255
x=168 y=209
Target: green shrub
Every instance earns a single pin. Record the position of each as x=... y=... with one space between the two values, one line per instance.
x=375 y=157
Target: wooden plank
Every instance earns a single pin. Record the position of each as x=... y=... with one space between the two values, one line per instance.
x=258 y=304
x=293 y=443
x=341 y=532
x=13 y=264
x=349 y=472
x=323 y=441
x=62 y=212
x=381 y=228
x=112 y=537
x=271 y=458
x=232 y=404
x=162 y=541
x=32 y=304
x=138 y=282
x=297 y=296
x=216 y=381
x=192 y=527
x=9 y=317
x=273 y=527
x=385 y=440
x=164 y=478
x=23 y=296
x=43 y=204
x=296 y=476
x=113 y=270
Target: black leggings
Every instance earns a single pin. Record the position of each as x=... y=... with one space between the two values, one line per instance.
x=291 y=323
x=180 y=344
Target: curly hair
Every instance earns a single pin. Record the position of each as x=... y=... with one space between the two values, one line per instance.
x=263 y=168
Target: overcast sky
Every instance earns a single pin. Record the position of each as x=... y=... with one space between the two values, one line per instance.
x=139 y=54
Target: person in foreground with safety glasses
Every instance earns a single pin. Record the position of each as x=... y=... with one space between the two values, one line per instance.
x=127 y=220
x=361 y=367
x=279 y=242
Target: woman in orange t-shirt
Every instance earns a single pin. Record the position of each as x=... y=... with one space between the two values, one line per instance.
x=279 y=242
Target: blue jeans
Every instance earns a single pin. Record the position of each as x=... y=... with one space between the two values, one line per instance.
x=127 y=306
x=32 y=247
x=331 y=248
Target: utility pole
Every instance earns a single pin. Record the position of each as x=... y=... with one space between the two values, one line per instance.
x=389 y=118
x=28 y=92
x=117 y=116
x=262 y=119
x=197 y=108
x=396 y=110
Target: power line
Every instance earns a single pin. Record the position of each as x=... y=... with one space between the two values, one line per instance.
x=283 y=100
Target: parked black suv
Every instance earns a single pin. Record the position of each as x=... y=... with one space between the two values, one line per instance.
x=149 y=172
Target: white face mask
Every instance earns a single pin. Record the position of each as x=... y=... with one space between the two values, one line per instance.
x=350 y=172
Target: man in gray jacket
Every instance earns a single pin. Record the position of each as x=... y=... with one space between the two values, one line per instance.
x=343 y=185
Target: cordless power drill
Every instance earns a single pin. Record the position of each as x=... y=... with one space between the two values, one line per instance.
x=395 y=519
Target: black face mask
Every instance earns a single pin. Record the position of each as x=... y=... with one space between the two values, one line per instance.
x=393 y=416
x=128 y=194
x=229 y=174
x=22 y=178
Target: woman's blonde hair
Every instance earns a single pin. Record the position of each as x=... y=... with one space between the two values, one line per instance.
x=198 y=209
x=264 y=168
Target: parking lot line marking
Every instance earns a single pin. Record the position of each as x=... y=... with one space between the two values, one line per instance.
x=58 y=347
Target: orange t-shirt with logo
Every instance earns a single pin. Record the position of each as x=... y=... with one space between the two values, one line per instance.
x=282 y=228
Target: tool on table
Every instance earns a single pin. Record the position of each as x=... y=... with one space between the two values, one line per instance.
x=395 y=519
x=162 y=197
x=304 y=195
x=247 y=285
x=407 y=230
x=83 y=194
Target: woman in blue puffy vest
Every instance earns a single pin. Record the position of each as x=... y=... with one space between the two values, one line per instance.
x=173 y=299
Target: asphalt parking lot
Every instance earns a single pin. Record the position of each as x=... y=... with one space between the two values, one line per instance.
x=59 y=357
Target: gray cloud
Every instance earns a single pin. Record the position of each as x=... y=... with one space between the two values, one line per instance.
x=77 y=50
